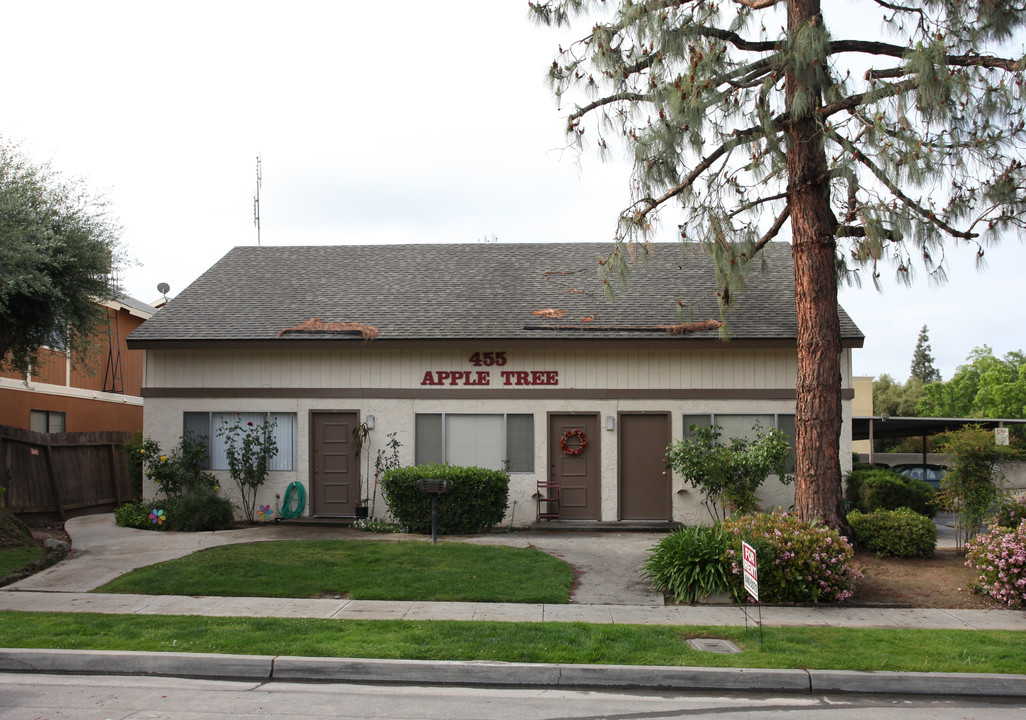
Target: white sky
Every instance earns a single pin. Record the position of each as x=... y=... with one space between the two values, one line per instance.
x=405 y=121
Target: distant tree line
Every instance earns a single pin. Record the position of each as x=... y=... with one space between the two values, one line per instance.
x=983 y=387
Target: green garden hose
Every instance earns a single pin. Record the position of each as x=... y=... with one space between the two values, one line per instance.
x=295 y=501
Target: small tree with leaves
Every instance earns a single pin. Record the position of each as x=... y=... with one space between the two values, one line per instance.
x=730 y=474
x=752 y=118
x=249 y=449
x=969 y=489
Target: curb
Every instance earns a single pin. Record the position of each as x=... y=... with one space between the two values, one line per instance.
x=267 y=668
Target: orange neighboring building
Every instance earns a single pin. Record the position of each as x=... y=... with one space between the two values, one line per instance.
x=101 y=391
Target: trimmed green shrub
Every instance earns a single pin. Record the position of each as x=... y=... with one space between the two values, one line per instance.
x=143 y=515
x=872 y=489
x=798 y=562
x=201 y=510
x=901 y=533
x=1011 y=512
x=476 y=498
x=689 y=563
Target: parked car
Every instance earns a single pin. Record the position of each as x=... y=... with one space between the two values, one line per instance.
x=929 y=472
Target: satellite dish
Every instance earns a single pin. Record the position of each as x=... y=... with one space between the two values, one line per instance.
x=163 y=289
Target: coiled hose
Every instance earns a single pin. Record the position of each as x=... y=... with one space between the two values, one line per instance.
x=295 y=501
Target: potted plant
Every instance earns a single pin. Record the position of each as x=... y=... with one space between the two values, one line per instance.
x=362 y=508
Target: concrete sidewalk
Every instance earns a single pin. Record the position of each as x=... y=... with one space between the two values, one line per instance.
x=609 y=590
x=344 y=609
x=609 y=586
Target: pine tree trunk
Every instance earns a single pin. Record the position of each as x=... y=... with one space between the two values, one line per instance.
x=818 y=384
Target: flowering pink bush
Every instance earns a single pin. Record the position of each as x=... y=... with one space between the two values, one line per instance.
x=797 y=561
x=1000 y=559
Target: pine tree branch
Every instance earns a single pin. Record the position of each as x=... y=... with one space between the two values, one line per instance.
x=758 y=4
x=859 y=231
x=880 y=175
x=609 y=99
x=774 y=229
x=757 y=203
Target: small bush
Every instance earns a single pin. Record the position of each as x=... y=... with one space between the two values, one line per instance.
x=1000 y=559
x=1011 y=512
x=901 y=533
x=202 y=510
x=143 y=515
x=872 y=489
x=797 y=562
x=476 y=498
x=689 y=563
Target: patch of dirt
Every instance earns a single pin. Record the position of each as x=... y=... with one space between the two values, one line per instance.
x=43 y=532
x=942 y=581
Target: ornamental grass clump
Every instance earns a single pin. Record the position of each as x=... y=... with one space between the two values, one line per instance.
x=1000 y=559
x=798 y=562
x=689 y=563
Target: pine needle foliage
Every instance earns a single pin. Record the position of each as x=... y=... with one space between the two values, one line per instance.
x=749 y=119
x=924 y=135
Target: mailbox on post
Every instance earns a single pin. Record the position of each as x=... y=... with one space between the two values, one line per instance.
x=434 y=487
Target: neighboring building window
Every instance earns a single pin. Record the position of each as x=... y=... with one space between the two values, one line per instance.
x=742 y=426
x=490 y=441
x=48 y=421
x=203 y=426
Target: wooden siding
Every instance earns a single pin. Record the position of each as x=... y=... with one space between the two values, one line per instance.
x=89 y=372
x=613 y=369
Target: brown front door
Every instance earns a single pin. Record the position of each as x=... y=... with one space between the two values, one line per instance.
x=644 y=480
x=334 y=472
x=579 y=475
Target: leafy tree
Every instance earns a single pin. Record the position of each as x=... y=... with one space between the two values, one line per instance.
x=869 y=150
x=985 y=387
x=969 y=489
x=58 y=250
x=729 y=474
x=249 y=449
x=893 y=398
x=922 y=361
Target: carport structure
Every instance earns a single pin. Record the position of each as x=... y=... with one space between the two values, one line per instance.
x=885 y=426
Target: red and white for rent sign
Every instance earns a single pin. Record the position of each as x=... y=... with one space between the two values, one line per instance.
x=750 y=569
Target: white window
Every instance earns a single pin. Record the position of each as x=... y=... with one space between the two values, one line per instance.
x=491 y=441
x=203 y=427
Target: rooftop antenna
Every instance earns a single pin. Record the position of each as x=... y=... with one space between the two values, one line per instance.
x=163 y=288
x=256 y=199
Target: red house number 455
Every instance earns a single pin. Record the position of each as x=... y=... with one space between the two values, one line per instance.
x=488 y=359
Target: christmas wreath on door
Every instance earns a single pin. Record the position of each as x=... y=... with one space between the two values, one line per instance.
x=578 y=447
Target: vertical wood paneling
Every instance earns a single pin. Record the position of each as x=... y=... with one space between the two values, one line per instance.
x=600 y=368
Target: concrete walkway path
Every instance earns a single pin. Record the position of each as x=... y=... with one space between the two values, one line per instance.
x=609 y=589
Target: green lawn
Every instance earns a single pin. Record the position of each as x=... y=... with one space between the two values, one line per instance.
x=359 y=569
x=13 y=559
x=823 y=648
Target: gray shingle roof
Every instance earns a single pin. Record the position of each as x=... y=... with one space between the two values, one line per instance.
x=472 y=291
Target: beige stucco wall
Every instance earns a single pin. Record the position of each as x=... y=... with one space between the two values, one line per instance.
x=862 y=406
x=618 y=372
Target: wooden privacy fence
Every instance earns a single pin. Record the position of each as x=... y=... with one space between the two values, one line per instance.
x=62 y=473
